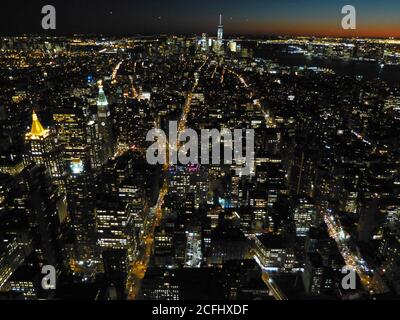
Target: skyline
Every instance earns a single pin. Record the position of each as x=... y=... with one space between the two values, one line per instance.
x=206 y=166
x=255 y=17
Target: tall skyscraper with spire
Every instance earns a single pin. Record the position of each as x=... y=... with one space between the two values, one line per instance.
x=43 y=150
x=220 y=37
x=102 y=102
x=105 y=129
x=220 y=34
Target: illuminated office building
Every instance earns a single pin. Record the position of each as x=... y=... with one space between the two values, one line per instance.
x=95 y=149
x=131 y=192
x=233 y=46
x=304 y=214
x=114 y=225
x=105 y=128
x=12 y=255
x=220 y=33
x=163 y=246
x=71 y=129
x=71 y=132
x=318 y=278
x=273 y=254
x=80 y=206
x=44 y=150
x=204 y=42
x=24 y=283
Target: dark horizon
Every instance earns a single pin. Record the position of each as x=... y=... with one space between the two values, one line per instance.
x=260 y=18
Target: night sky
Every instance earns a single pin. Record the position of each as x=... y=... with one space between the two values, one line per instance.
x=259 y=17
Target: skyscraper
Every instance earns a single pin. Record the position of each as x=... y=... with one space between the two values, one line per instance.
x=71 y=132
x=43 y=150
x=220 y=34
x=204 y=42
x=218 y=44
x=114 y=224
x=105 y=125
x=44 y=223
x=80 y=205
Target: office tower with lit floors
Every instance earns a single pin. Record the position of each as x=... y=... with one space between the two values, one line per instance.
x=43 y=149
x=105 y=126
x=72 y=130
x=220 y=33
x=80 y=206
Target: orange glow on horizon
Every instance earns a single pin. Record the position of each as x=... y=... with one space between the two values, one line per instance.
x=319 y=28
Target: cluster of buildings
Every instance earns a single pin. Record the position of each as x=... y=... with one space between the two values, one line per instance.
x=77 y=193
x=384 y=51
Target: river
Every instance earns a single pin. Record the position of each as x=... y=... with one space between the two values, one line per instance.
x=369 y=70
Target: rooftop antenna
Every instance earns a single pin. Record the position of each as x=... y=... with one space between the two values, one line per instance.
x=220 y=19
